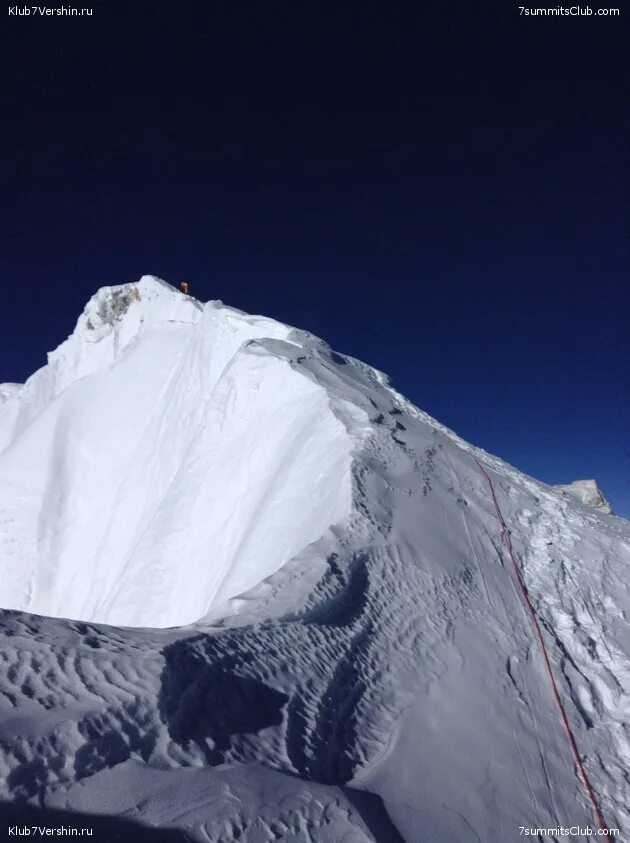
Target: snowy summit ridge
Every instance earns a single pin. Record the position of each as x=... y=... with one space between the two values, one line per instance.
x=344 y=605
x=158 y=457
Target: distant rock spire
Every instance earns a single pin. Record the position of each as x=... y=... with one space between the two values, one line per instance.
x=588 y=492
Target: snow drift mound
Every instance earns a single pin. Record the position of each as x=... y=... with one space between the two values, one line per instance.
x=166 y=459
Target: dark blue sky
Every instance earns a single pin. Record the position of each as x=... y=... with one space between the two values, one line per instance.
x=439 y=190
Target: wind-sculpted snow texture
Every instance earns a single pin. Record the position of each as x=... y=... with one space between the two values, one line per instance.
x=365 y=670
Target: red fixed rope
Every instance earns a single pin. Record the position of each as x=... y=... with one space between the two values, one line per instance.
x=505 y=535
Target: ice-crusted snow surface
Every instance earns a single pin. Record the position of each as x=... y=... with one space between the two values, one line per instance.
x=356 y=664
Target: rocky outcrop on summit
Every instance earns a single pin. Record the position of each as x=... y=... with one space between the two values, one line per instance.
x=588 y=493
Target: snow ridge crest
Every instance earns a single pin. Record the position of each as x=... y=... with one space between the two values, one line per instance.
x=159 y=457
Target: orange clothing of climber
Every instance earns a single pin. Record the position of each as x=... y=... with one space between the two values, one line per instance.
x=184 y=287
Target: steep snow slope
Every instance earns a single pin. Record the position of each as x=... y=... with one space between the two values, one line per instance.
x=152 y=466
x=380 y=680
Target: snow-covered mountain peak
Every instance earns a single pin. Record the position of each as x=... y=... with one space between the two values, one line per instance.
x=110 y=305
x=115 y=316
x=159 y=457
x=364 y=600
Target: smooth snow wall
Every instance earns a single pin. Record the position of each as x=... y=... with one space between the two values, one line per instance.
x=162 y=462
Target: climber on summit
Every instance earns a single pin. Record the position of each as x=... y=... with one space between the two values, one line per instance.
x=184 y=287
